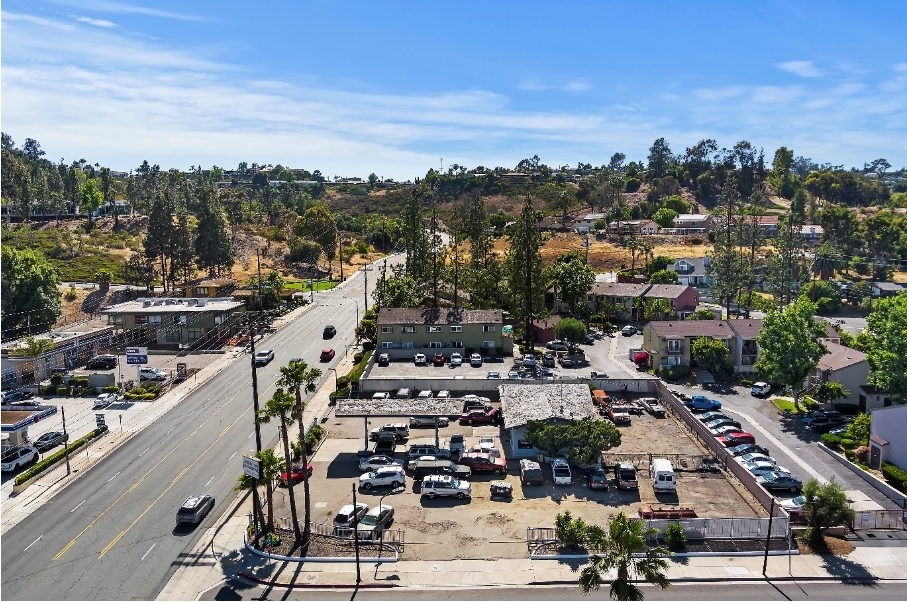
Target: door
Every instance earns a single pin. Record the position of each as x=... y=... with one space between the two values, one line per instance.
x=875 y=457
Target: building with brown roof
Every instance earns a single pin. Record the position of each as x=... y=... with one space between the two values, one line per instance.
x=668 y=342
x=683 y=299
x=615 y=298
x=543 y=330
x=403 y=332
x=846 y=366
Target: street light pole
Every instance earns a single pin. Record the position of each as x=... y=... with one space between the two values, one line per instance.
x=356 y=535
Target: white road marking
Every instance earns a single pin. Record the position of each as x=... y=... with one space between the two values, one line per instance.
x=209 y=482
x=191 y=413
x=77 y=507
x=113 y=477
x=231 y=457
x=250 y=435
x=170 y=431
x=32 y=543
x=149 y=550
x=143 y=453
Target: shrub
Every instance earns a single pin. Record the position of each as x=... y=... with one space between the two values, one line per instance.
x=343 y=382
x=313 y=437
x=357 y=357
x=51 y=390
x=156 y=389
x=56 y=379
x=832 y=441
x=862 y=454
x=368 y=346
x=675 y=537
x=62 y=390
x=570 y=531
x=633 y=185
x=71 y=294
x=676 y=372
x=894 y=475
x=89 y=391
x=847 y=443
x=746 y=382
x=110 y=389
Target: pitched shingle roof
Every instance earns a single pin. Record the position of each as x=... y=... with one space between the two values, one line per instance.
x=618 y=289
x=839 y=357
x=439 y=315
x=522 y=403
x=666 y=291
x=747 y=329
x=717 y=329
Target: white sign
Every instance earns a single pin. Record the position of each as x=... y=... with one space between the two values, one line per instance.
x=136 y=351
x=251 y=466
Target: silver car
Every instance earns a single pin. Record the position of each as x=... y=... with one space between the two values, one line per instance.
x=388 y=476
x=375 y=520
x=445 y=486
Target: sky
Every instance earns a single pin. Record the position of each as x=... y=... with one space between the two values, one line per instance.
x=396 y=88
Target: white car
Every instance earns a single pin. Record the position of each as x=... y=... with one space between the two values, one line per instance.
x=419 y=359
x=389 y=475
x=561 y=471
x=513 y=375
x=628 y=330
x=443 y=395
x=475 y=360
x=264 y=356
x=152 y=374
x=793 y=504
x=494 y=452
x=494 y=374
x=529 y=360
x=445 y=485
x=456 y=359
x=104 y=400
x=375 y=462
x=756 y=458
x=761 y=468
x=15 y=457
x=486 y=443
x=424 y=395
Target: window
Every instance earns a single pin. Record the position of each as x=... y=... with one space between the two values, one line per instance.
x=488 y=328
x=523 y=444
x=488 y=344
x=173 y=336
x=387 y=329
x=114 y=320
x=154 y=319
x=432 y=329
x=458 y=344
x=435 y=345
x=456 y=329
x=181 y=319
x=387 y=345
x=407 y=345
x=674 y=346
x=195 y=333
x=409 y=329
x=220 y=318
x=141 y=320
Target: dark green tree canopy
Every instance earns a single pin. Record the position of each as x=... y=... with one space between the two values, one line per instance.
x=30 y=292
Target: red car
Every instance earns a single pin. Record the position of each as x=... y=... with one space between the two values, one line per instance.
x=297 y=474
x=739 y=438
x=483 y=463
x=327 y=355
x=438 y=359
x=481 y=416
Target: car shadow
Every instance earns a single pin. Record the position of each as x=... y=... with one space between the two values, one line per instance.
x=443 y=502
x=344 y=465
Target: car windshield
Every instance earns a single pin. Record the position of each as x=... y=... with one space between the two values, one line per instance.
x=627 y=475
x=369 y=520
x=799 y=500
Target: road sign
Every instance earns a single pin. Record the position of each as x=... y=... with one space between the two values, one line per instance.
x=251 y=466
x=136 y=351
x=99 y=421
x=137 y=359
x=184 y=345
x=181 y=370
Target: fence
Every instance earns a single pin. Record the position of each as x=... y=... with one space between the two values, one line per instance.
x=726 y=528
x=539 y=535
x=395 y=537
x=879 y=519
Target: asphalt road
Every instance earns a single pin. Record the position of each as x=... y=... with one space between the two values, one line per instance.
x=724 y=590
x=111 y=534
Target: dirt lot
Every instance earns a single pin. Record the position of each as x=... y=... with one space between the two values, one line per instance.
x=445 y=529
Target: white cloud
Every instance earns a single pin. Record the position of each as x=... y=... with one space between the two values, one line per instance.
x=718 y=93
x=776 y=94
x=36 y=21
x=577 y=85
x=801 y=68
x=96 y=22
x=108 y=6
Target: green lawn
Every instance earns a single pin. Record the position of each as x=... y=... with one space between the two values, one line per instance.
x=320 y=285
x=786 y=407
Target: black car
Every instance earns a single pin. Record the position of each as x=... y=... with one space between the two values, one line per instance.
x=102 y=362
x=385 y=445
x=826 y=423
x=748 y=448
x=423 y=468
x=329 y=331
x=50 y=440
x=18 y=396
x=780 y=481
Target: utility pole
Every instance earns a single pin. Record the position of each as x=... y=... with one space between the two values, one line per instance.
x=255 y=499
x=356 y=535
x=768 y=538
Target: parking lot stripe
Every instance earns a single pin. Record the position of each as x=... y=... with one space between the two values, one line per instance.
x=77 y=507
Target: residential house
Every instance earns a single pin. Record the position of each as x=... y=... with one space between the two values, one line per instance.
x=552 y=223
x=886 y=289
x=811 y=233
x=769 y=225
x=746 y=350
x=515 y=178
x=683 y=299
x=668 y=342
x=692 y=271
x=587 y=223
x=846 y=366
x=403 y=332
x=556 y=403
x=633 y=227
x=870 y=398
x=543 y=330
x=207 y=287
x=71 y=348
x=888 y=437
x=171 y=322
x=615 y=298
x=691 y=223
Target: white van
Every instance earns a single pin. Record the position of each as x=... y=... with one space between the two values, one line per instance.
x=760 y=388
x=662 y=473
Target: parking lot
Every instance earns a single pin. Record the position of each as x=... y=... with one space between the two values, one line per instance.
x=486 y=527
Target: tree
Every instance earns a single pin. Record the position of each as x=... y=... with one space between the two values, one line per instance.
x=139 y=270
x=416 y=241
x=702 y=314
x=548 y=437
x=157 y=238
x=709 y=353
x=570 y=329
x=368 y=326
x=34 y=348
x=826 y=506
x=623 y=547
x=664 y=277
x=568 y=530
x=573 y=280
x=887 y=355
x=281 y=407
x=660 y=158
x=826 y=295
x=247 y=483
x=30 y=293
x=319 y=225
x=664 y=217
x=858 y=431
x=617 y=162
x=213 y=249
x=829 y=391
x=299 y=378
x=789 y=345
x=523 y=266
x=400 y=291
x=182 y=267
x=658 y=263
x=676 y=203
x=91 y=198
x=588 y=438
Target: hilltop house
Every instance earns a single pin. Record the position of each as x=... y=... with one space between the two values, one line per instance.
x=692 y=271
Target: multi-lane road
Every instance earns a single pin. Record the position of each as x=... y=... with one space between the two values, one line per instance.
x=112 y=533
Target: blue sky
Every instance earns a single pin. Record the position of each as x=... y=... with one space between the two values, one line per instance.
x=392 y=88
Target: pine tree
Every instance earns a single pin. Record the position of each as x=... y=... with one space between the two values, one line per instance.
x=415 y=238
x=213 y=250
x=523 y=267
x=182 y=267
x=160 y=228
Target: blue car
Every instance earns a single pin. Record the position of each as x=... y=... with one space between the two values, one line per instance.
x=701 y=403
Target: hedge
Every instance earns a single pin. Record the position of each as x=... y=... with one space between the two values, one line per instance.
x=675 y=372
x=110 y=389
x=57 y=456
x=62 y=390
x=356 y=372
x=51 y=390
x=832 y=441
x=746 y=383
x=894 y=475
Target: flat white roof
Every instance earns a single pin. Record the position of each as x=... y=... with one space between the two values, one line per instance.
x=164 y=306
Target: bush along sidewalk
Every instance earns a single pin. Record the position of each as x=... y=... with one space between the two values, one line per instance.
x=57 y=456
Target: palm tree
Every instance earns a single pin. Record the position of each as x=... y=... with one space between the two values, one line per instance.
x=297 y=376
x=271 y=467
x=282 y=406
x=33 y=348
x=646 y=249
x=633 y=245
x=623 y=547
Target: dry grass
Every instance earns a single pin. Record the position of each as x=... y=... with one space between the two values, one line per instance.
x=828 y=545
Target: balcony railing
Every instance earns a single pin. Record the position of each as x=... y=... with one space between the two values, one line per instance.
x=674 y=350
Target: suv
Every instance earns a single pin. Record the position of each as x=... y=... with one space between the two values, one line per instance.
x=548 y=360
x=154 y=373
x=438 y=359
x=419 y=359
x=529 y=360
x=557 y=346
x=475 y=360
x=828 y=422
x=264 y=356
x=194 y=509
x=424 y=468
x=445 y=485
x=625 y=476
x=472 y=402
x=531 y=473
x=385 y=444
x=102 y=362
x=457 y=443
x=399 y=430
x=389 y=475
x=329 y=331
x=456 y=359
x=348 y=515
x=561 y=472
x=424 y=449
x=384 y=359
x=17 y=457
x=479 y=462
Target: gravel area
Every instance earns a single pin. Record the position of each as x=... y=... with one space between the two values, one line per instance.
x=322 y=546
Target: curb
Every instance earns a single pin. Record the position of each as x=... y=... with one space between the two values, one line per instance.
x=750 y=579
x=675 y=555
x=254 y=579
x=337 y=559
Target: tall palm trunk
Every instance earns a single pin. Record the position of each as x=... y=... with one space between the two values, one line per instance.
x=307 y=509
x=289 y=459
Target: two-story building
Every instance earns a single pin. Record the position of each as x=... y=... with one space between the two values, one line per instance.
x=587 y=223
x=171 y=322
x=811 y=233
x=683 y=299
x=207 y=287
x=846 y=366
x=403 y=332
x=615 y=298
x=888 y=437
x=692 y=271
x=768 y=224
x=668 y=342
x=633 y=227
x=691 y=223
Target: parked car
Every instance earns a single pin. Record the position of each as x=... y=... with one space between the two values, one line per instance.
x=795 y=504
x=475 y=360
x=438 y=359
x=427 y=449
x=419 y=359
x=486 y=443
x=327 y=354
x=839 y=430
x=566 y=362
x=755 y=457
x=426 y=394
x=17 y=397
x=445 y=485
x=375 y=520
x=709 y=416
x=529 y=360
x=557 y=346
x=589 y=339
x=457 y=443
x=194 y=509
x=820 y=414
x=102 y=362
x=597 y=478
x=103 y=400
x=628 y=330
x=379 y=396
x=548 y=360
x=717 y=422
x=399 y=430
x=760 y=389
x=531 y=473
x=417 y=421
x=443 y=395
x=625 y=476
x=775 y=481
x=491 y=451
x=386 y=444
x=474 y=401
x=748 y=448
x=560 y=471
x=725 y=429
x=734 y=439
x=392 y=476
x=761 y=467
x=328 y=332
x=653 y=406
x=494 y=375
x=378 y=461
x=16 y=457
x=50 y=440
x=384 y=359
x=481 y=416
x=513 y=375
x=701 y=403
x=348 y=515
x=264 y=356
x=154 y=373
x=456 y=359
x=298 y=472
x=434 y=466
x=483 y=463
x=826 y=423
x=403 y=394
